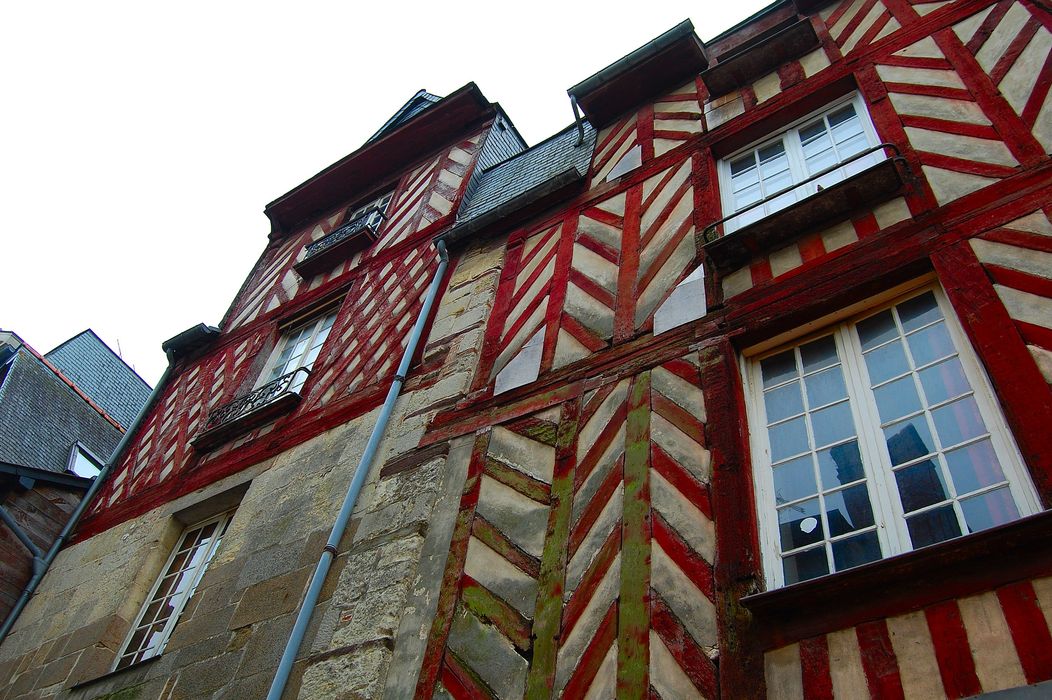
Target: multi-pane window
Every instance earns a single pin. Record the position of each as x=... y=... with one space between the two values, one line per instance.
x=877 y=437
x=173 y=588
x=298 y=348
x=376 y=209
x=820 y=143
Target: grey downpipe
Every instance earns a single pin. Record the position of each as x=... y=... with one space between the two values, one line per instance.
x=577 y=120
x=38 y=554
x=79 y=511
x=310 y=600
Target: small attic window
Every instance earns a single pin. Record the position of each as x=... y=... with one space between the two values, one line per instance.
x=83 y=463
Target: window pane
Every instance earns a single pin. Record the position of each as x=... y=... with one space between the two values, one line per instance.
x=794 y=480
x=920 y=485
x=897 y=399
x=778 y=369
x=848 y=510
x=933 y=526
x=974 y=467
x=840 y=465
x=958 y=421
x=908 y=440
x=855 y=551
x=944 y=381
x=806 y=565
x=877 y=330
x=886 y=362
x=783 y=402
x=800 y=524
x=989 y=509
x=818 y=354
x=832 y=424
x=788 y=439
x=931 y=344
x=919 y=311
x=825 y=387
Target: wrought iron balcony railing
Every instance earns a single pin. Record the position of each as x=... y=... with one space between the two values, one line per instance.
x=875 y=183
x=345 y=241
x=252 y=409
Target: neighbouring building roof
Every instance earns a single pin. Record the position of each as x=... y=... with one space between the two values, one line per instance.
x=101 y=374
x=416 y=104
x=42 y=417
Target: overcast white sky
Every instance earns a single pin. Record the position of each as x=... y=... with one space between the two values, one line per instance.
x=141 y=141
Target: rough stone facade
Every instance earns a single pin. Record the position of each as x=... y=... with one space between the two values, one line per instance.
x=568 y=504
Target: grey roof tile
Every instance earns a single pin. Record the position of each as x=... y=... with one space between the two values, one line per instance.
x=102 y=375
x=507 y=180
x=41 y=417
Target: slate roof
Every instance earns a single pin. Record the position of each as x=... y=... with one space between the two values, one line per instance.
x=101 y=374
x=41 y=417
x=416 y=104
x=511 y=178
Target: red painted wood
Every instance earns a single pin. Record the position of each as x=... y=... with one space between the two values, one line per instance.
x=624 y=311
x=878 y=660
x=693 y=564
x=1025 y=398
x=585 y=591
x=695 y=663
x=696 y=492
x=814 y=668
x=593 y=656
x=1030 y=633
x=1033 y=284
x=460 y=682
x=560 y=279
x=595 y=507
x=952 y=652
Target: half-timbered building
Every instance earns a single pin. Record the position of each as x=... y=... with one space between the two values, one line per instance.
x=739 y=387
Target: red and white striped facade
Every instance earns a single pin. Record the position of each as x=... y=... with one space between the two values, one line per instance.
x=606 y=535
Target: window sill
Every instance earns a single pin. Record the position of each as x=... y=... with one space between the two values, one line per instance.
x=955 y=568
x=742 y=67
x=870 y=187
x=127 y=670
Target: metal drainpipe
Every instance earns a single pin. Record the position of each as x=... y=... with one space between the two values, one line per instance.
x=74 y=518
x=310 y=600
x=577 y=120
x=38 y=554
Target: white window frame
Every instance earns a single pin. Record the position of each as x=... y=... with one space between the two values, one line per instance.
x=889 y=518
x=317 y=320
x=78 y=451
x=180 y=599
x=790 y=138
x=380 y=203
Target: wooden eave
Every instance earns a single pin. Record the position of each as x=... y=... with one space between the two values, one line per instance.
x=462 y=110
x=663 y=64
x=872 y=186
x=743 y=66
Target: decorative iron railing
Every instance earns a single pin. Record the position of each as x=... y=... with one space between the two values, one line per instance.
x=265 y=395
x=369 y=219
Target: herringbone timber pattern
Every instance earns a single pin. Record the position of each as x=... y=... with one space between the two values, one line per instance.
x=429 y=193
x=655 y=129
x=381 y=309
x=1018 y=259
x=1013 y=47
x=490 y=590
x=527 y=295
x=855 y=24
x=957 y=143
x=163 y=449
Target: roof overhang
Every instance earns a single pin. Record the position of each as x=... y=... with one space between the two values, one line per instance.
x=453 y=115
x=658 y=66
